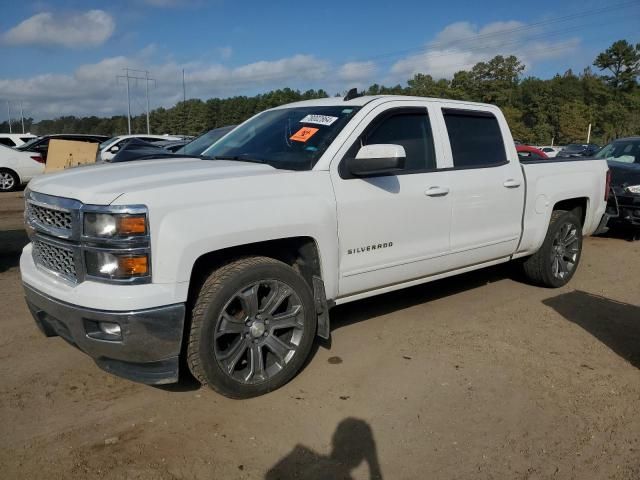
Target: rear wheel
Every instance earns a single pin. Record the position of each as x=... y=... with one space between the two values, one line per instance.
x=253 y=326
x=557 y=260
x=8 y=180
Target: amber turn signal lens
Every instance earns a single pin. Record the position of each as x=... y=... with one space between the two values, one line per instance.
x=133 y=265
x=132 y=225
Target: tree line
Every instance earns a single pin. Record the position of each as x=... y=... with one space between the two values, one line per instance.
x=605 y=95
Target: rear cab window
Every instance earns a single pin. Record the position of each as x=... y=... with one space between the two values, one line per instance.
x=475 y=138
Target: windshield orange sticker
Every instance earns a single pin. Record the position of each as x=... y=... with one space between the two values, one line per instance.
x=304 y=134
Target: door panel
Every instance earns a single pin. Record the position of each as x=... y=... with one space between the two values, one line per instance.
x=391 y=229
x=487 y=189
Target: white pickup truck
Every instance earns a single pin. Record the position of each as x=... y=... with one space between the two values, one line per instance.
x=232 y=262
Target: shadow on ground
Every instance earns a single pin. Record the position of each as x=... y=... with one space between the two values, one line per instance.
x=372 y=307
x=616 y=324
x=623 y=232
x=11 y=245
x=352 y=443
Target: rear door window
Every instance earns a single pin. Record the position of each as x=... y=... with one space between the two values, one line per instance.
x=475 y=138
x=7 y=141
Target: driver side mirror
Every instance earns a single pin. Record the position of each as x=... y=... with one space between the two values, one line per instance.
x=114 y=149
x=376 y=160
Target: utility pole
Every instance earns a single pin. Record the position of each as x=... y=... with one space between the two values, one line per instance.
x=133 y=77
x=128 y=98
x=9 y=115
x=146 y=90
x=184 y=104
x=21 y=117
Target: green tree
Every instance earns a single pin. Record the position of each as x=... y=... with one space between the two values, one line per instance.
x=623 y=61
x=574 y=122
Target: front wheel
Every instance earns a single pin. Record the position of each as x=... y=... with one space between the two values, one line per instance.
x=252 y=328
x=557 y=260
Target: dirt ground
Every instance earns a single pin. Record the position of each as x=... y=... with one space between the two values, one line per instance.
x=475 y=377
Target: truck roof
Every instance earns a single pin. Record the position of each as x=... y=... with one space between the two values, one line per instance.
x=363 y=100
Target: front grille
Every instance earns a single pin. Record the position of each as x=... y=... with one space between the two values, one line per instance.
x=55 y=258
x=49 y=217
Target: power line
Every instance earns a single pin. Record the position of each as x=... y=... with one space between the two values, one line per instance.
x=472 y=42
x=147 y=79
x=529 y=26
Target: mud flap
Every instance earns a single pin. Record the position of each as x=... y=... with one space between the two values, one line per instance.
x=322 y=308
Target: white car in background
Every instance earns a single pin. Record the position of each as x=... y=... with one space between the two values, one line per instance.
x=17 y=168
x=108 y=148
x=550 y=151
x=15 y=139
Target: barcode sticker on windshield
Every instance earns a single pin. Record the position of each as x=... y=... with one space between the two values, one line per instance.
x=319 y=119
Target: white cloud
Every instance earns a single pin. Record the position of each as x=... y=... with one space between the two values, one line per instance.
x=461 y=45
x=357 y=71
x=75 y=30
x=92 y=89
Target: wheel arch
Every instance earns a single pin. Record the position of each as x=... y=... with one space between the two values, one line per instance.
x=579 y=206
x=301 y=253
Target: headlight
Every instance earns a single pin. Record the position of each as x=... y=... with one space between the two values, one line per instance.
x=633 y=189
x=116 y=265
x=114 y=225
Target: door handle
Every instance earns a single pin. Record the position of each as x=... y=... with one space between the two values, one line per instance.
x=511 y=183
x=436 y=191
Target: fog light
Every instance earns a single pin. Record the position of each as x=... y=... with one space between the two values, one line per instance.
x=111 y=329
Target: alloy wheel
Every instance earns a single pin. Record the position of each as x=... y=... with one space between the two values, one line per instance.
x=7 y=181
x=564 y=250
x=259 y=331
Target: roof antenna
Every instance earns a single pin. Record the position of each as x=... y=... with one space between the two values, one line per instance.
x=351 y=94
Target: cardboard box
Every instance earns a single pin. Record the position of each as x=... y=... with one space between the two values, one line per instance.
x=66 y=153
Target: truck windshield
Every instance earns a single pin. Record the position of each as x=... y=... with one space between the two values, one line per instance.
x=624 y=151
x=288 y=138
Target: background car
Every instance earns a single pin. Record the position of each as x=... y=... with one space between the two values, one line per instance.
x=579 y=150
x=530 y=153
x=204 y=141
x=41 y=144
x=17 y=168
x=172 y=145
x=110 y=147
x=623 y=157
x=137 y=149
x=15 y=139
x=550 y=151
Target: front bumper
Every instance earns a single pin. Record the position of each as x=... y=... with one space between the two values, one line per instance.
x=146 y=351
x=628 y=207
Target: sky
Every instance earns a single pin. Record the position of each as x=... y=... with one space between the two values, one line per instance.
x=63 y=57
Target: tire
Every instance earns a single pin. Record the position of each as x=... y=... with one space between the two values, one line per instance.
x=9 y=180
x=252 y=327
x=556 y=262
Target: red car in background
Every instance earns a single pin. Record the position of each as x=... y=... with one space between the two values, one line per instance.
x=530 y=153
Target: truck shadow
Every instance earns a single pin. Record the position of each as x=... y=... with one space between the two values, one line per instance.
x=11 y=244
x=616 y=324
x=351 y=444
x=354 y=312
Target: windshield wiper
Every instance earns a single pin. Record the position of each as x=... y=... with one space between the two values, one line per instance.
x=238 y=158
